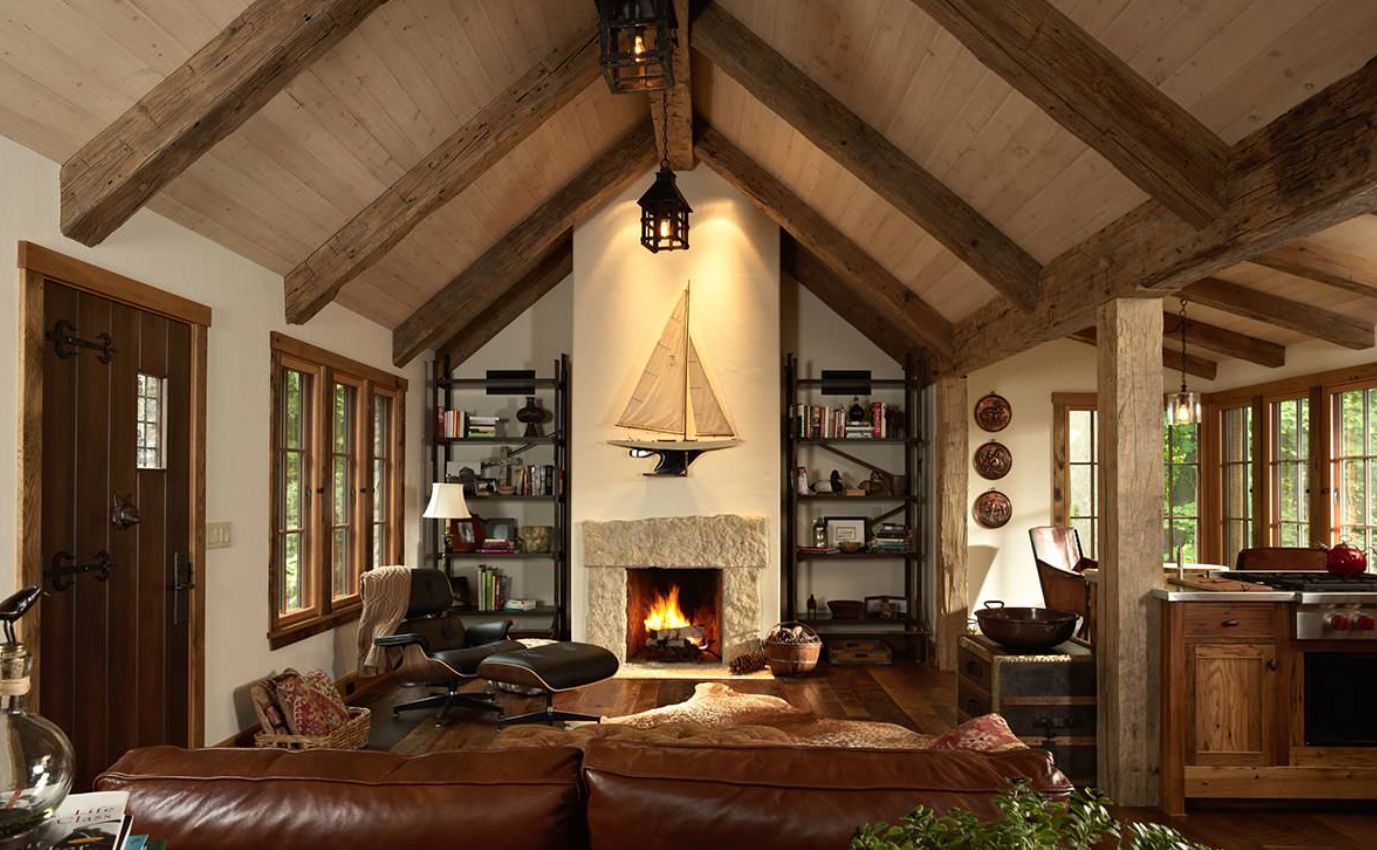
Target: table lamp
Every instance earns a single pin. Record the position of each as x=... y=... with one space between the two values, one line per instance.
x=447 y=503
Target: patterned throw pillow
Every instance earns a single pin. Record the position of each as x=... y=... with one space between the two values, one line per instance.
x=263 y=693
x=985 y=734
x=311 y=704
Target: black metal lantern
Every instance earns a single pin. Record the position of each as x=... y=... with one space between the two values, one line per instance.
x=636 y=44
x=664 y=214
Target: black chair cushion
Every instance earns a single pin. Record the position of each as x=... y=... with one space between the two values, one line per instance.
x=553 y=667
x=465 y=661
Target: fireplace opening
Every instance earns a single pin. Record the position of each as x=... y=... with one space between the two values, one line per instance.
x=674 y=615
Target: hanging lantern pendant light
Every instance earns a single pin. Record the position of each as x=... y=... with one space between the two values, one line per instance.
x=664 y=210
x=636 y=44
x=1184 y=406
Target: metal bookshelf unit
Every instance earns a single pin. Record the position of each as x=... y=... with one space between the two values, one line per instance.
x=911 y=628
x=547 y=620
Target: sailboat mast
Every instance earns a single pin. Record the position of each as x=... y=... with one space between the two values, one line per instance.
x=688 y=393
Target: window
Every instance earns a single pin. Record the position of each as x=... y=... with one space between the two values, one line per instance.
x=1181 y=499
x=1354 y=472
x=149 y=431
x=1236 y=493
x=337 y=448
x=1289 y=463
x=1075 y=489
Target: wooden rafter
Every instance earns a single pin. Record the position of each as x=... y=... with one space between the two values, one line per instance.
x=865 y=276
x=1322 y=264
x=680 y=99
x=1200 y=367
x=1282 y=312
x=555 y=266
x=840 y=296
x=1224 y=341
x=501 y=125
x=1083 y=86
x=197 y=105
x=1311 y=168
x=866 y=153
x=478 y=288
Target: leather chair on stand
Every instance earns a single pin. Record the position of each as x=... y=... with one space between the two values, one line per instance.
x=1060 y=562
x=438 y=650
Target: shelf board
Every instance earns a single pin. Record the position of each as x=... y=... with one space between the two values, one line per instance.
x=885 y=383
x=510 y=498
x=842 y=441
x=824 y=628
x=501 y=383
x=844 y=556
x=497 y=555
x=494 y=441
x=539 y=611
x=838 y=497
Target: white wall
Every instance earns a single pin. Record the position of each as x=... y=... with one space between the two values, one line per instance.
x=622 y=297
x=247 y=303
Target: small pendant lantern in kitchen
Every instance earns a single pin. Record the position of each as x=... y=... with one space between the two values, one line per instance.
x=664 y=210
x=636 y=40
x=1183 y=408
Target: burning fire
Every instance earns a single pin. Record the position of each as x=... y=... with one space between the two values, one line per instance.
x=665 y=612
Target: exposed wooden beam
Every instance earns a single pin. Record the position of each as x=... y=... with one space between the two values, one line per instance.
x=1084 y=87
x=867 y=154
x=1282 y=312
x=501 y=125
x=839 y=295
x=555 y=266
x=1200 y=367
x=197 y=105
x=680 y=99
x=863 y=274
x=477 y=288
x=951 y=506
x=1224 y=341
x=1322 y=264
x=1314 y=167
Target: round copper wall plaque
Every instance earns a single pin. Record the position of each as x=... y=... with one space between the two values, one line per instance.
x=993 y=509
x=993 y=413
x=993 y=460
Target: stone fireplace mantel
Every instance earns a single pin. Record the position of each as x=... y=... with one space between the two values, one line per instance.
x=737 y=545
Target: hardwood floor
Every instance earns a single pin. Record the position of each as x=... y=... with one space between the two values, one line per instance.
x=914 y=696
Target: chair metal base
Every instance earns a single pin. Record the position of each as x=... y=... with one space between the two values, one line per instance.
x=485 y=701
x=549 y=715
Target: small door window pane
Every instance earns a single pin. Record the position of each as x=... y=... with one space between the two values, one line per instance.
x=149 y=430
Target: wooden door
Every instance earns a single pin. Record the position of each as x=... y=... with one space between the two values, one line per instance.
x=114 y=649
x=1233 y=703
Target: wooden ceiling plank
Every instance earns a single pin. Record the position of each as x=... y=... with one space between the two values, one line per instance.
x=1224 y=341
x=1084 y=87
x=839 y=295
x=476 y=289
x=215 y=91
x=680 y=100
x=811 y=229
x=1310 y=169
x=505 y=122
x=1298 y=316
x=555 y=266
x=1200 y=367
x=865 y=152
x=1308 y=259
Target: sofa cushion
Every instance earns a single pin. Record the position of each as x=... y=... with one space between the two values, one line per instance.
x=221 y=799
x=764 y=795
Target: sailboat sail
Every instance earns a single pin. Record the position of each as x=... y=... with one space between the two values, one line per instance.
x=657 y=402
x=709 y=419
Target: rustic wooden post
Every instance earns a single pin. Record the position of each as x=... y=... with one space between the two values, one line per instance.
x=1131 y=413
x=952 y=463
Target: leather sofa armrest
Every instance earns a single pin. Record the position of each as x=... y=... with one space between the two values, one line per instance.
x=491 y=631
x=403 y=640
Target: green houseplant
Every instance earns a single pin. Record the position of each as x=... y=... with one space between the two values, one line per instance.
x=1027 y=821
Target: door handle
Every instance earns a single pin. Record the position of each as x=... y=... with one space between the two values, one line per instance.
x=1271 y=664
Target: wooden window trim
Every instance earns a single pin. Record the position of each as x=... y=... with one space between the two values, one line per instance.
x=1329 y=495
x=1062 y=406
x=327 y=369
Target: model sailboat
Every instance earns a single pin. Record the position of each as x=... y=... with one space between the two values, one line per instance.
x=674 y=397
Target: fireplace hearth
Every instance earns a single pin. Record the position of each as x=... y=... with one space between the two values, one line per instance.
x=674 y=615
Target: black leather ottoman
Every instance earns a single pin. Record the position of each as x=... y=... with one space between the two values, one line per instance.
x=550 y=669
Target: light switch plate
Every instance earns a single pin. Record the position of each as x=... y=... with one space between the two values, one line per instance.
x=217 y=535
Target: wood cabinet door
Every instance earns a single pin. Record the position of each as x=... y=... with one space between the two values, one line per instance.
x=1232 y=700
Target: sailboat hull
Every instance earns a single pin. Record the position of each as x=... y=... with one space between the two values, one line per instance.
x=675 y=456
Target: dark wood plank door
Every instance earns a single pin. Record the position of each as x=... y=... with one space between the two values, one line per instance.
x=114 y=657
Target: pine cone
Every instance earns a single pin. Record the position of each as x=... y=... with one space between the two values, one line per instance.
x=748 y=662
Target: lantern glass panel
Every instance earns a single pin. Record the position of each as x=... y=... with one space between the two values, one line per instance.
x=636 y=44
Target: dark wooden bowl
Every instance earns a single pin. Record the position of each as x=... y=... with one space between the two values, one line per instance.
x=1025 y=629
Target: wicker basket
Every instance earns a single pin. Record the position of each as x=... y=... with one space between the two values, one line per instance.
x=353 y=735
x=793 y=659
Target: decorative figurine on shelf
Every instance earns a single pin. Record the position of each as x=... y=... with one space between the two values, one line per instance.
x=838 y=484
x=534 y=416
x=801 y=480
x=856 y=414
x=819 y=533
x=36 y=755
x=812 y=607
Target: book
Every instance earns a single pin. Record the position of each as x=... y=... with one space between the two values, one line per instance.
x=94 y=821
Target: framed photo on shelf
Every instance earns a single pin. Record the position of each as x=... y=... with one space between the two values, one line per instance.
x=845 y=529
x=466 y=534
x=886 y=607
x=500 y=528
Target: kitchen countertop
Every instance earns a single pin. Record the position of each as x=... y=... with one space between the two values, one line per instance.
x=1175 y=593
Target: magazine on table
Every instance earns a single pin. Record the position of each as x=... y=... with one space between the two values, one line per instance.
x=95 y=821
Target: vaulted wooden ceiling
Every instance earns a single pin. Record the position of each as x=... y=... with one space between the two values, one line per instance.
x=1002 y=162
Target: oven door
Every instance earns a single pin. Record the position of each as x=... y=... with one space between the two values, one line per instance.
x=1340 y=697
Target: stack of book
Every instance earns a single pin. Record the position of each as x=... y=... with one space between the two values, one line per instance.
x=481 y=426
x=814 y=422
x=535 y=480
x=817 y=550
x=889 y=537
x=459 y=425
x=94 y=821
x=494 y=588
x=496 y=546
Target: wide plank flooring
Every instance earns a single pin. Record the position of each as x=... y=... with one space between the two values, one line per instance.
x=911 y=695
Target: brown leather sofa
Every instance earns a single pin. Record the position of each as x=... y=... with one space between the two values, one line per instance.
x=611 y=796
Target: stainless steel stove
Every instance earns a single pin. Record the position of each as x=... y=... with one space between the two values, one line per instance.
x=1327 y=607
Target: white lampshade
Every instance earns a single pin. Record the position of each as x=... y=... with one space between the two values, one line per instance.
x=447 y=502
